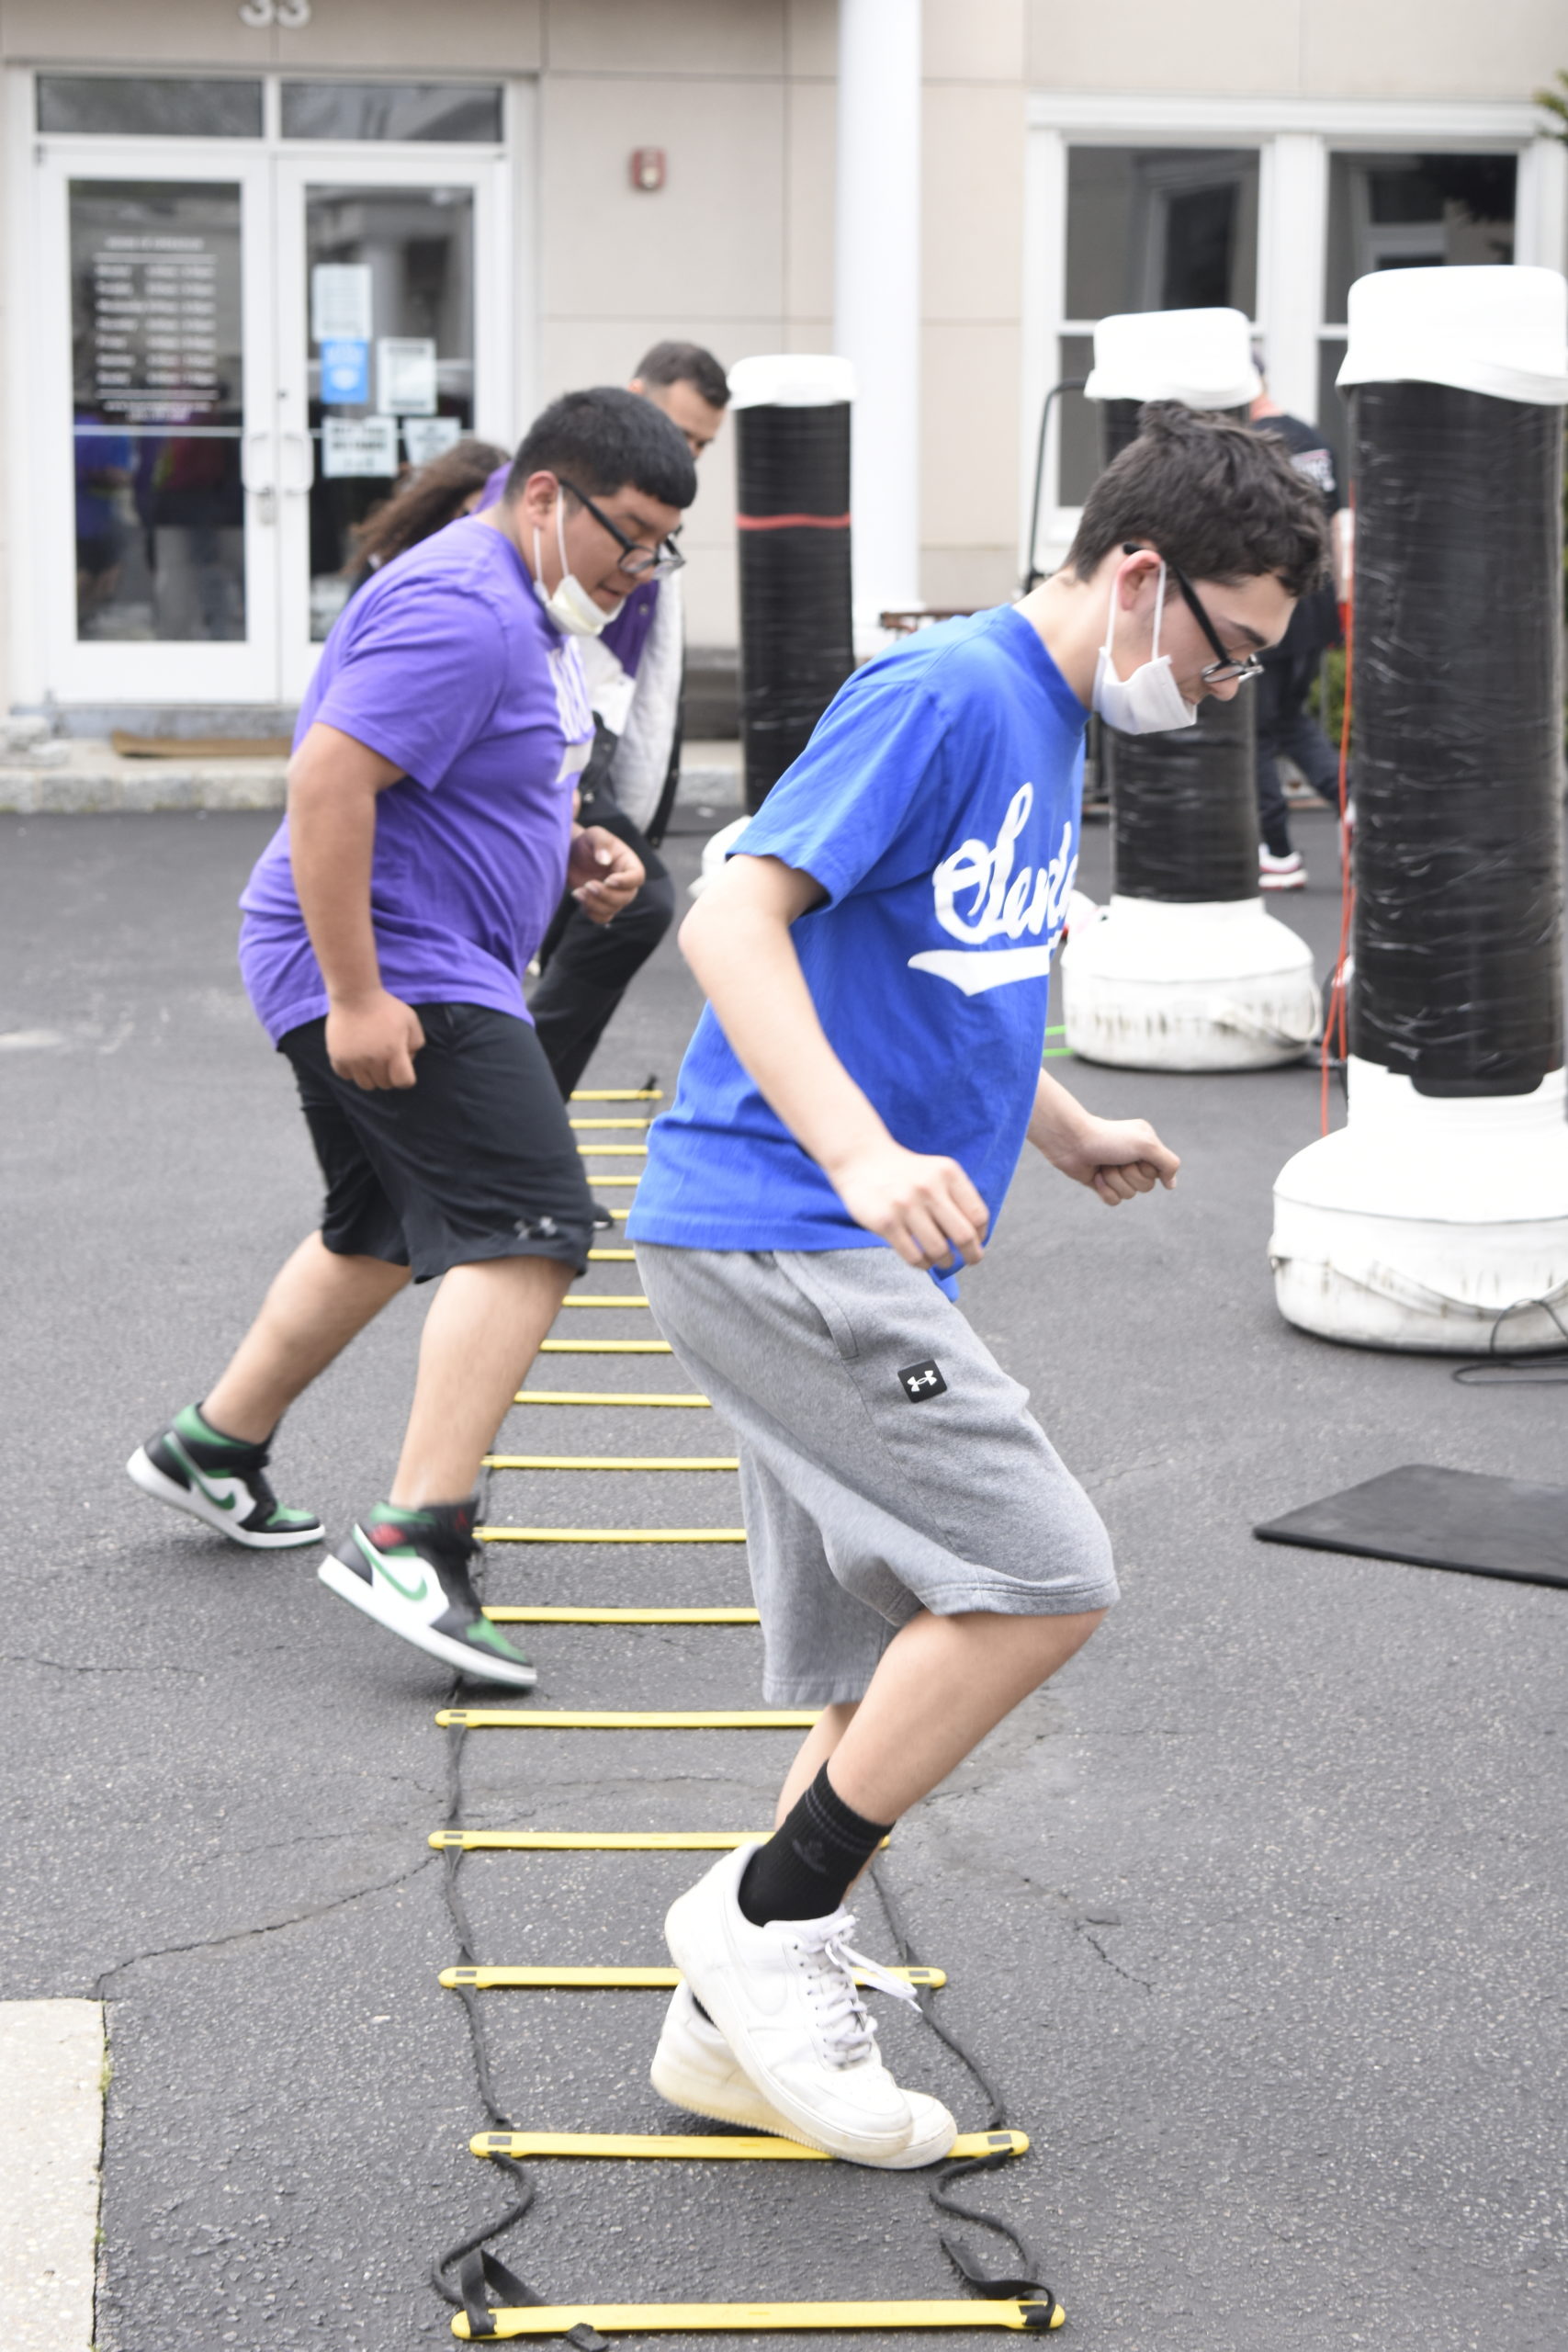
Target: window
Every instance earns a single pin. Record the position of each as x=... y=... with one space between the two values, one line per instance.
x=1404 y=212
x=1148 y=228
x=128 y=106
x=459 y=113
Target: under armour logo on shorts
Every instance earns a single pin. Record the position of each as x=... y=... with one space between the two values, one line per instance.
x=920 y=1381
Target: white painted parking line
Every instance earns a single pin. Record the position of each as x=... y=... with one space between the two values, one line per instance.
x=51 y=2132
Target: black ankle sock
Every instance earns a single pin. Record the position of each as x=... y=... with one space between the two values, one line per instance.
x=805 y=1869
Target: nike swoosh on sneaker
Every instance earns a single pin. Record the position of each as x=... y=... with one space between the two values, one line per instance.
x=407 y=1592
x=210 y=1488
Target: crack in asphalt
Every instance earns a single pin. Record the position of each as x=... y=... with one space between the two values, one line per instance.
x=72 y=1666
x=272 y=1927
x=1081 y=1928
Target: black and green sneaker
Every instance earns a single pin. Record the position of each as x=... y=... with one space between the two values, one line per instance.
x=222 y=1482
x=411 y=1571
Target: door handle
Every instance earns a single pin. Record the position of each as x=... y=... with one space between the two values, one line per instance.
x=302 y=443
x=258 y=475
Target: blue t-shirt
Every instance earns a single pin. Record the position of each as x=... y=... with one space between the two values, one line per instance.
x=938 y=805
x=446 y=662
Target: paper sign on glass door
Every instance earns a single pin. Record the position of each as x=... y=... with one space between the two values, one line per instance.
x=340 y=301
x=359 y=446
x=405 y=375
x=425 y=437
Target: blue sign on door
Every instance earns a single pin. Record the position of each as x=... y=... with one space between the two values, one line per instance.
x=345 y=372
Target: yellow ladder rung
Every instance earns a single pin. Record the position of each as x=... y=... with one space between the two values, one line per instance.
x=601 y=1257
x=609 y=1123
x=620 y=1215
x=608 y=1841
x=612 y=1151
x=603 y=1396
x=553 y=1616
x=615 y=1980
x=612 y=1462
x=695 y=2147
x=610 y=1534
x=617 y=1094
x=576 y=1719
x=606 y=1297
x=605 y=1348
x=603 y=1182
x=1033 y=2318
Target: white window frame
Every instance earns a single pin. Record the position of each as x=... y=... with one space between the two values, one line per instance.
x=1294 y=139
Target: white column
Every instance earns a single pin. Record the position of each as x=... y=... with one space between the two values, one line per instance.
x=877 y=291
x=1290 y=266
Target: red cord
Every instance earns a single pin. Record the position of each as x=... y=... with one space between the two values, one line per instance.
x=1337 y=1020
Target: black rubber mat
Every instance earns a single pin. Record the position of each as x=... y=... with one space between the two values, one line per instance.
x=1441 y=1518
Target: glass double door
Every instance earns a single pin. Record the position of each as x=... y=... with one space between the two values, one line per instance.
x=259 y=347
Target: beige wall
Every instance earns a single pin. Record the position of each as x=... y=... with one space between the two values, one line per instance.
x=1308 y=49
x=734 y=252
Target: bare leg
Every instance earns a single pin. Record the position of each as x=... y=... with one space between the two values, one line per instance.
x=481 y=1334
x=317 y=1304
x=941 y=1685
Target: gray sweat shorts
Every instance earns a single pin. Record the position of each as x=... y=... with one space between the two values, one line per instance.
x=888 y=1462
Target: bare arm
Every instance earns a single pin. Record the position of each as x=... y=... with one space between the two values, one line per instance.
x=333 y=780
x=737 y=940
x=1115 y=1158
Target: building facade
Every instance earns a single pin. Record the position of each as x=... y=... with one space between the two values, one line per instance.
x=261 y=254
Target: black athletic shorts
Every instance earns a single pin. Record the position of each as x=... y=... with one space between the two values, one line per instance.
x=475 y=1160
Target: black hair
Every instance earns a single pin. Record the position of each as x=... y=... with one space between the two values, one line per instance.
x=685 y=363
x=1217 y=498
x=606 y=440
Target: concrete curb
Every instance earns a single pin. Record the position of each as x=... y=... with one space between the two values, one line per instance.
x=53 y=2079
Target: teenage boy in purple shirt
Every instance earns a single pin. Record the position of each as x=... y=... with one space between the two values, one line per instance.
x=387 y=926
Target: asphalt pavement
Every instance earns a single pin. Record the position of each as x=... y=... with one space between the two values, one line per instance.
x=1256 y=1914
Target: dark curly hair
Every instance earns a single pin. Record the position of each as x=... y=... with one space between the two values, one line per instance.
x=607 y=439
x=1218 y=499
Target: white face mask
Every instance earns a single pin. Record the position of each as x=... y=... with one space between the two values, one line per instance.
x=569 y=605
x=1149 y=702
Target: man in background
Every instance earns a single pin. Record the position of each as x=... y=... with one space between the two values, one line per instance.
x=1285 y=726
x=634 y=671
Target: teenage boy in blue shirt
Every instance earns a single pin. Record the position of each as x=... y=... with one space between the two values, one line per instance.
x=849 y=1116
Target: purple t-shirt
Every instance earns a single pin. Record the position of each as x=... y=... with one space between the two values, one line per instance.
x=446 y=664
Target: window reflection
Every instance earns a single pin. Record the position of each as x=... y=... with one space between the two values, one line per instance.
x=1161 y=229
x=158 y=397
x=469 y=114
x=1393 y=211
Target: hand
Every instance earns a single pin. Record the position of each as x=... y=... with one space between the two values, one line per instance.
x=925 y=1207
x=1115 y=1158
x=603 y=875
x=373 y=1041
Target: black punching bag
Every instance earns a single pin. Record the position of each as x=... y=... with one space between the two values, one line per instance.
x=792 y=434
x=1437 y=1217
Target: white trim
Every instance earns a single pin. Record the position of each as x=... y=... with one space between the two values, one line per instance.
x=22 y=536
x=1245 y=122
x=1292 y=236
x=1044 y=291
x=1540 y=205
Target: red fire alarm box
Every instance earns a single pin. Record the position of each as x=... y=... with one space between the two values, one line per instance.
x=647 y=169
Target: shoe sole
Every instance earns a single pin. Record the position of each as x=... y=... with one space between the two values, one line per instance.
x=747 y=2108
x=864 y=2150
x=1282 y=882
x=145 y=1473
x=351 y=1586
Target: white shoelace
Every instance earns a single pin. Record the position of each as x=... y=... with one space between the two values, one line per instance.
x=847 y=2034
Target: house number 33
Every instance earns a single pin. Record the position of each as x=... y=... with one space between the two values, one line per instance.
x=259 y=14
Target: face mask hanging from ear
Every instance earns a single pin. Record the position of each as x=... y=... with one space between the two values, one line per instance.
x=1149 y=702
x=569 y=605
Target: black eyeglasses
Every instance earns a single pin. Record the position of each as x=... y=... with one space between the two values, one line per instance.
x=637 y=562
x=1228 y=666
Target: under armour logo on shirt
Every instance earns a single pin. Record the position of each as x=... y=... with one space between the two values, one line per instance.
x=920 y=1381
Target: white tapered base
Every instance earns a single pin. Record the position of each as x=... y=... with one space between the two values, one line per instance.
x=1422 y=1222
x=1221 y=985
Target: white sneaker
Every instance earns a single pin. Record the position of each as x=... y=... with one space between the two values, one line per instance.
x=1285 y=873
x=694 y=2068
x=784 y=1997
